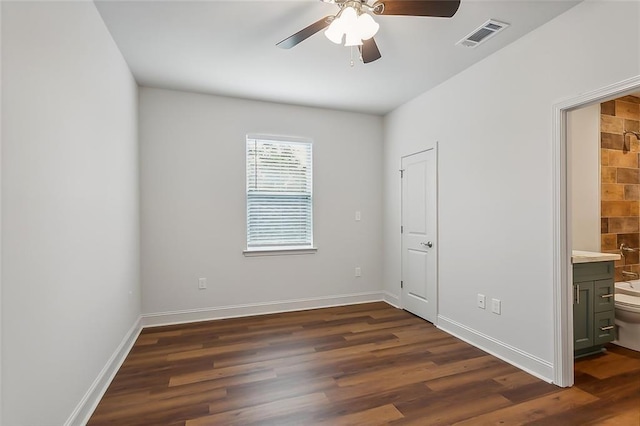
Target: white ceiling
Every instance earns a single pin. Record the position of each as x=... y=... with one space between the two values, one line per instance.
x=228 y=48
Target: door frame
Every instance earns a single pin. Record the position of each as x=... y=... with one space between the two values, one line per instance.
x=562 y=267
x=436 y=300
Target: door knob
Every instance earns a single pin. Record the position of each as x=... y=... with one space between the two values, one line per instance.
x=427 y=244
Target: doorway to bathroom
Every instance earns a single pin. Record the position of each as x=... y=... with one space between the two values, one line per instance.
x=594 y=208
x=603 y=141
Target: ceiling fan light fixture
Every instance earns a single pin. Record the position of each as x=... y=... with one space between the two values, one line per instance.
x=352 y=24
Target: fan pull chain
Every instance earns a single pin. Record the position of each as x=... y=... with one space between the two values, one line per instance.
x=351 y=63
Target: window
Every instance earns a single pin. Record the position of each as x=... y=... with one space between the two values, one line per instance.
x=279 y=194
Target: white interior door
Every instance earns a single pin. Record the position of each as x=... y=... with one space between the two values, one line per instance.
x=419 y=234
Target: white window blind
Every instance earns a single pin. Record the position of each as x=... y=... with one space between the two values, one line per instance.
x=279 y=194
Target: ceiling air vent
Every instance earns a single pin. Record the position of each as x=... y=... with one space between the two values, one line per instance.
x=482 y=34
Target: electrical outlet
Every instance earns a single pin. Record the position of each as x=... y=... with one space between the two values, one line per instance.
x=481 y=301
x=358 y=216
x=496 y=306
x=202 y=283
x=358 y=271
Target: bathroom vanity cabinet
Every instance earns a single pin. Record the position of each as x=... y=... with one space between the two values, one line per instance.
x=593 y=306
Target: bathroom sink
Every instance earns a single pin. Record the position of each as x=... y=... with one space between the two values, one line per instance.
x=631 y=288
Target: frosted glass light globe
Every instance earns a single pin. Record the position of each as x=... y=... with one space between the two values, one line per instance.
x=335 y=32
x=353 y=39
x=367 y=27
x=350 y=18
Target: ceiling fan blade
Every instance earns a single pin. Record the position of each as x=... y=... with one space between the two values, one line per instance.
x=437 y=8
x=369 y=51
x=305 y=33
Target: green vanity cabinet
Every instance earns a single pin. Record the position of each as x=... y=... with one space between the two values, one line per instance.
x=593 y=306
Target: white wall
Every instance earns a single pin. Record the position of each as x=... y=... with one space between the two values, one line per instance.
x=583 y=145
x=193 y=204
x=70 y=217
x=493 y=123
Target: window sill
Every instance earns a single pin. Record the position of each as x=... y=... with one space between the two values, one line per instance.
x=279 y=251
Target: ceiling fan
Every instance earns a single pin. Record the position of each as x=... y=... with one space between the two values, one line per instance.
x=354 y=24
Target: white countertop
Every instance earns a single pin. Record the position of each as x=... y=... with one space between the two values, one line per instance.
x=578 y=256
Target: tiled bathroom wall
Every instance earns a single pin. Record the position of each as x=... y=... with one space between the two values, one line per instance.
x=620 y=180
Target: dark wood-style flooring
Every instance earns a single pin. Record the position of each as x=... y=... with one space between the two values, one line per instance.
x=368 y=364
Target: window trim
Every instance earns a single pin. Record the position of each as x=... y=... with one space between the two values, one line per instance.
x=280 y=250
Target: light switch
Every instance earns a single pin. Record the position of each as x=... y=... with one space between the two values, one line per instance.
x=496 y=306
x=358 y=216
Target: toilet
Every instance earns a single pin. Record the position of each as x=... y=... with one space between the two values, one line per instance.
x=627 y=298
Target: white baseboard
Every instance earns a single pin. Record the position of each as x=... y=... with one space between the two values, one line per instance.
x=84 y=409
x=234 y=311
x=392 y=299
x=525 y=361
